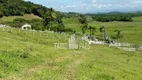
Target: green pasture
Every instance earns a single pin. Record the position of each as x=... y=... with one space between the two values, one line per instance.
x=30 y=55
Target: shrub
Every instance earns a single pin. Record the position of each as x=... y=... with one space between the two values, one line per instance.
x=24 y=55
x=68 y=30
x=1 y=14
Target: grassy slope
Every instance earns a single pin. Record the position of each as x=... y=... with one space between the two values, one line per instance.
x=46 y=63
x=26 y=16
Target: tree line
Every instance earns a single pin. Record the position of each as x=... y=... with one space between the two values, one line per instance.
x=108 y=17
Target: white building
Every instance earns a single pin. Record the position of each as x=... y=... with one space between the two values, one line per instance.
x=26 y=27
x=1 y=25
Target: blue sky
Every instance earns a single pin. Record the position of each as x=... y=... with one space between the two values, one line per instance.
x=93 y=6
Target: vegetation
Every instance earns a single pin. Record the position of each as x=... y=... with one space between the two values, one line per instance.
x=130 y=31
x=92 y=30
x=82 y=19
x=114 y=17
x=20 y=7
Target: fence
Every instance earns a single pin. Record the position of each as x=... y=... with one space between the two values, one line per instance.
x=49 y=34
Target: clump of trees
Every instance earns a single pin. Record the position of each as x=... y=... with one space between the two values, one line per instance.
x=108 y=17
x=92 y=30
x=49 y=17
x=117 y=35
x=112 y=17
x=84 y=25
x=20 y=7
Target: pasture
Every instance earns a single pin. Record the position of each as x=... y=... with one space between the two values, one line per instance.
x=131 y=31
x=24 y=56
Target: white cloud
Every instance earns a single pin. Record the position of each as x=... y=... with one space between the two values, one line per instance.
x=92 y=5
x=26 y=0
x=138 y=2
x=94 y=1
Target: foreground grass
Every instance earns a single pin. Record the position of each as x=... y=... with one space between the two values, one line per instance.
x=24 y=56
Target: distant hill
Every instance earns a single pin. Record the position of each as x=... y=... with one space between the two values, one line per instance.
x=115 y=12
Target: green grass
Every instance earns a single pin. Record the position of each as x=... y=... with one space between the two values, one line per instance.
x=24 y=56
x=137 y=19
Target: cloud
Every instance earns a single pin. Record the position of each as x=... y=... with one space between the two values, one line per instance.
x=138 y=2
x=92 y=5
x=26 y=0
x=94 y=1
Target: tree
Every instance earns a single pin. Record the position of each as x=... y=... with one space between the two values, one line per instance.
x=59 y=20
x=82 y=19
x=49 y=18
x=46 y=22
x=118 y=34
x=84 y=28
x=92 y=30
x=1 y=14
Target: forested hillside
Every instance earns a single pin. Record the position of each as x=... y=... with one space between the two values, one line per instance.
x=20 y=7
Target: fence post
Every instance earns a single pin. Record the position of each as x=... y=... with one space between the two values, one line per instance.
x=3 y=29
x=19 y=30
x=33 y=33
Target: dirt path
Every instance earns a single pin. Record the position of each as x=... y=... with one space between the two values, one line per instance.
x=70 y=72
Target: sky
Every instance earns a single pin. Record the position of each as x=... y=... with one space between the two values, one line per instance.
x=91 y=6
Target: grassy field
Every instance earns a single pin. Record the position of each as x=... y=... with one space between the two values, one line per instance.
x=137 y=19
x=131 y=31
x=24 y=56
x=26 y=16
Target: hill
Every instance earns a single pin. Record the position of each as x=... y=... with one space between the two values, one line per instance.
x=20 y=7
x=114 y=12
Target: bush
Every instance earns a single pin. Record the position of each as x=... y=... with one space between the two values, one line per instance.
x=1 y=14
x=37 y=24
x=24 y=55
x=68 y=30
